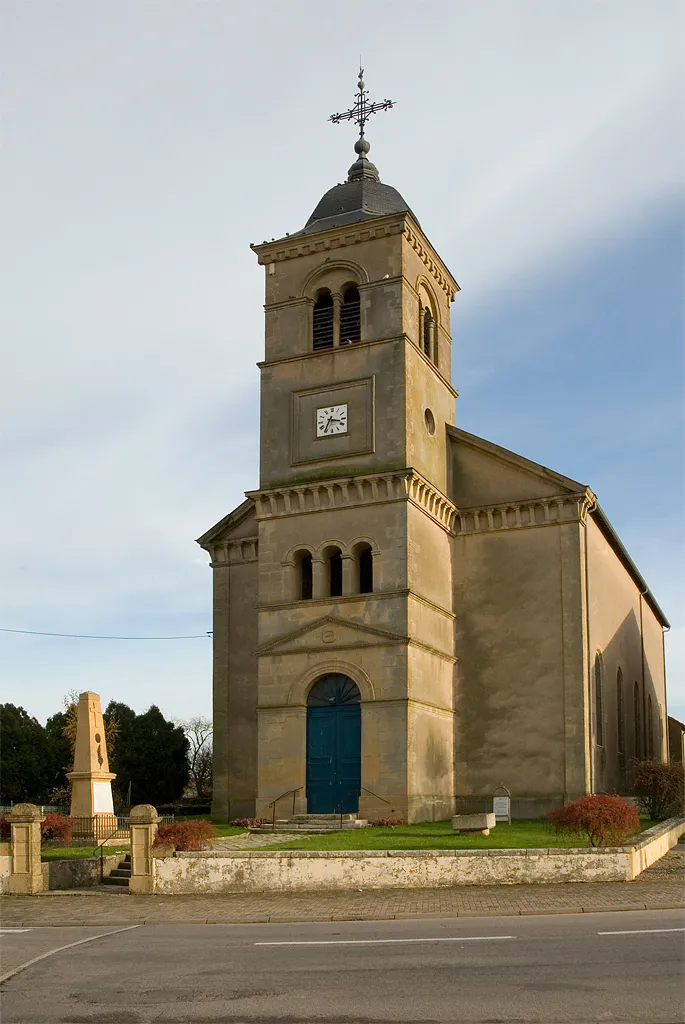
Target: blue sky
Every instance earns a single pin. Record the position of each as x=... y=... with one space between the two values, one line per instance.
x=148 y=143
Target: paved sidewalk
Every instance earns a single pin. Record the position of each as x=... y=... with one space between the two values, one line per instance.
x=662 y=887
x=255 y=841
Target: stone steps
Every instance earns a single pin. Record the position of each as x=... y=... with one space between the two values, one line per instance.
x=120 y=875
x=316 y=823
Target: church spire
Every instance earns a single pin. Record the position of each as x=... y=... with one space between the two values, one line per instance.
x=360 y=112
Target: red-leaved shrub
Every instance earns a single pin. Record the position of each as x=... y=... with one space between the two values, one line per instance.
x=193 y=834
x=661 y=788
x=249 y=822
x=606 y=819
x=388 y=822
x=5 y=829
x=56 y=828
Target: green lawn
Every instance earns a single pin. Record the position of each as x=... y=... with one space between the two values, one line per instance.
x=77 y=852
x=230 y=830
x=438 y=835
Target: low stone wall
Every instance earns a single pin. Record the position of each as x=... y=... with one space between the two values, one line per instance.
x=5 y=867
x=301 y=871
x=78 y=872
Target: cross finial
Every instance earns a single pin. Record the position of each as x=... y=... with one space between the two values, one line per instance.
x=362 y=110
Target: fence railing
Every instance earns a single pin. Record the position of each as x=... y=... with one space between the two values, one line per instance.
x=87 y=831
x=43 y=808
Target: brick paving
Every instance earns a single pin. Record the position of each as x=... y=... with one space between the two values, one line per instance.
x=662 y=887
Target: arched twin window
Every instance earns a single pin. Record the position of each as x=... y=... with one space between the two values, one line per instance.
x=330 y=584
x=599 y=705
x=336 y=320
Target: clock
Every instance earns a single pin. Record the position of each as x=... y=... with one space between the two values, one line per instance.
x=330 y=420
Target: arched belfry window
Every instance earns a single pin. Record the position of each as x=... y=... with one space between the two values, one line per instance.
x=333 y=559
x=599 y=704
x=363 y=556
x=333 y=689
x=428 y=332
x=323 y=321
x=303 y=576
x=350 y=316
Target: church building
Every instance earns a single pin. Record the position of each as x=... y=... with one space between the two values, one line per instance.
x=405 y=613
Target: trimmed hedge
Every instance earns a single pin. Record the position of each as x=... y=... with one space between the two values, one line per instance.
x=193 y=834
x=606 y=819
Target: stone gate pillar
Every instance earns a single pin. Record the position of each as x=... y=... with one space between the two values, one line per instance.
x=26 y=873
x=144 y=820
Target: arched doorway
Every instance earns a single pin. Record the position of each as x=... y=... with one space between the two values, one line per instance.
x=334 y=731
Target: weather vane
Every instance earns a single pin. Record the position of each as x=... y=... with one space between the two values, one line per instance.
x=362 y=109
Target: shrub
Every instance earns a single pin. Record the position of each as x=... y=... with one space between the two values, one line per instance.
x=606 y=819
x=387 y=822
x=5 y=829
x=661 y=788
x=56 y=828
x=250 y=822
x=193 y=834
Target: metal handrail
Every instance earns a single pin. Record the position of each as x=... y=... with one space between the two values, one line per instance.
x=101 y=847
x=274 y=802
x=378 y=797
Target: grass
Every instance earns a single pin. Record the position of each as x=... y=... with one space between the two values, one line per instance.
x=77 y=852
x=438 y=835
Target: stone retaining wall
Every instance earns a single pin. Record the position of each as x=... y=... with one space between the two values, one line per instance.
x=78 y=872
x=5 y=867
x=301 y=871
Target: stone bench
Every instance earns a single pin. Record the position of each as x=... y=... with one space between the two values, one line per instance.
x=473 y=823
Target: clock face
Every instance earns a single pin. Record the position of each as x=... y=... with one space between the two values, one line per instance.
x=331 y=420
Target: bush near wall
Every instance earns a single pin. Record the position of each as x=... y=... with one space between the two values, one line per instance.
x=661 y=788
x=192 y=834
x=249 y=822
x=56 y=828
x=606 y=819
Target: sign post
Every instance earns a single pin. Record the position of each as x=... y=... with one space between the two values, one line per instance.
x=501 y=804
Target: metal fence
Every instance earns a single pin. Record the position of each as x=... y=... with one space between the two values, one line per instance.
x=43 y=808
x=86 y=831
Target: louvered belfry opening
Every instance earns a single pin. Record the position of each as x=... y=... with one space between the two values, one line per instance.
x=428 y=333
x=365 y=570
x=305 y=576
x=323 y=321
x=350 y=317
x=335 y=573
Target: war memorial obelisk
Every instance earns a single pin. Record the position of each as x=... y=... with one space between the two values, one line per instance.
x=91 y=779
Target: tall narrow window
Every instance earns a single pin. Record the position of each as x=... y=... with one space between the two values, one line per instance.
x=620 y=722
x=428 y=332
x=637 y=724
x=303 y=578
x=350 y=317
x=599 y=709
x=323 y=321
x=365 y=569
x=650 y=729
x=334 y=561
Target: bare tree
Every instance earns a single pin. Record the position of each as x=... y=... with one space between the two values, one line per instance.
x=199 y=735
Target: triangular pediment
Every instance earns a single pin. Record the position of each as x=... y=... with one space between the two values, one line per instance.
x=485 y=473
x=328 y=633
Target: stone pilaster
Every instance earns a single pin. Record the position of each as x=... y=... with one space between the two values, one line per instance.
x=144 y=821
x=26 y=875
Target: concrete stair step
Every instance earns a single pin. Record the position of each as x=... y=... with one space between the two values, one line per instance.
x=116 y=880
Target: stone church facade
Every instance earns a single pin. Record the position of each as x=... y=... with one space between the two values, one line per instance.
x=405 y=613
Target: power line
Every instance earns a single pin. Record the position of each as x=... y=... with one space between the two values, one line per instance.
x=89 y=636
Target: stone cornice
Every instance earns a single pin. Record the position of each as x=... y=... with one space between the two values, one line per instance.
x=232 y=552
x=431 y=261
x=292 y=246
x=517 y=515
x=351 y=492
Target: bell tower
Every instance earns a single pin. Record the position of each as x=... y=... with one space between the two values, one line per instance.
x=334 y=625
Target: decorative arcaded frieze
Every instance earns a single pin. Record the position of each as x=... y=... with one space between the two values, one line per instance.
x=562 y=508
x=351 y=491
x=434 y=266
x=232 y=552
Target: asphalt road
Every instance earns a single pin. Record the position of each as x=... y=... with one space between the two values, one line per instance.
x=621 y=967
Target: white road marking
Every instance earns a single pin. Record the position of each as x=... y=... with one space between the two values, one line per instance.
x=69 y=945
x=643 y=931
x=13 y=931
x=384 y=942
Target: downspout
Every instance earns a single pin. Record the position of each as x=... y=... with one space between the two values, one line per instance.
x=664 y=630
x=591 y=757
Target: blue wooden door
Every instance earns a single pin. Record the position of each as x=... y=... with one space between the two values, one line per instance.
x=333 y=747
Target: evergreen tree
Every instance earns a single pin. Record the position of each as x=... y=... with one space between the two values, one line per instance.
x=23 y=760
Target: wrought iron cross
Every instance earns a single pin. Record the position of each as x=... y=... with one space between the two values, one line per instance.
x=362 y=109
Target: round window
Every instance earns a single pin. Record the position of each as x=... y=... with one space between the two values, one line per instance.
x=430 y=421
